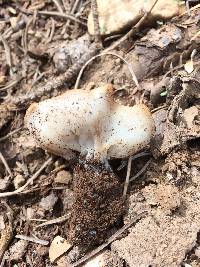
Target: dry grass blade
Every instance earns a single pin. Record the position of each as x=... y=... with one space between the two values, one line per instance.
x=10 y=134
x=10 y=85
x=62 y=15
x=57 y=4
x=104 y=54
x=74 y=7
x=33 y=239
x=25 y=36
x=53 y=221
x=6 y=164
x=141 y=171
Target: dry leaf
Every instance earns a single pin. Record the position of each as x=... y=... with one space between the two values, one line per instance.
x=58 y=247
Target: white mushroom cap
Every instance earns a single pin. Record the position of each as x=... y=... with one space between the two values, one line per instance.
x=90 y=122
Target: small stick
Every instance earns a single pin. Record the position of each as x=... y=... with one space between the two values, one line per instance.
x=127 y=176
x=109 y=241
x=62 y=15
x=5 y=164
x=141 y=171
x=10 y=134
x=56 y=2
x=133 y=30
x=25 y=36
x=16 y=192
x=138 y=155
x=103 y=54
x=97 y=33
x=11 y=84
x=33 y=239
x=54 y=221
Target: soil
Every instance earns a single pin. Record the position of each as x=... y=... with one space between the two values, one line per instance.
x=83 y=201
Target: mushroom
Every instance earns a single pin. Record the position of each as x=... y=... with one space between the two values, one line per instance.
x=90 y=122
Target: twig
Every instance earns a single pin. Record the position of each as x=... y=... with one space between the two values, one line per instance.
x=5 y=164
x=62 y=15
x=56 y=2
x=10 y=134
x=8 y=86
x=134 y=30
x=103 y=54
x=164 y=106
x=109 y=241
x=138 y=155
x=75 y=5
x=97 y=34
x=33 y=239
x=141 y=171
x=54 y=221
x=127 y=176
x=129 y=170
x=8 y=53
x=16 y=192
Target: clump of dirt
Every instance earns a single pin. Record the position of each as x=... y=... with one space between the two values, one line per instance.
x=98 y=204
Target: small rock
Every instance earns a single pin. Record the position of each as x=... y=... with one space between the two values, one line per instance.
x=117 y=15
x=47 y=203
x=63 y=177
x=58 y=247
x=18 y=250
x=71 y=53
x=18 y=181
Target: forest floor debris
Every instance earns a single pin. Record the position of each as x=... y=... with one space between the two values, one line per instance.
x=43 y=46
